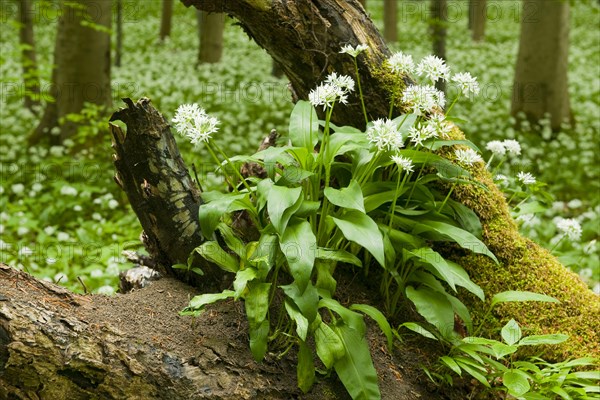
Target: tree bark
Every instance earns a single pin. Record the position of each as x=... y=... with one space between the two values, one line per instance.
x=165 y=20
x=311 y=50
x=28 y=56
x=119 y=37
x=438 y=27
x=210 y=28
x=478 y=19
x=82 y=65
x=390 y=20
x=58 y=345
x=540 y=84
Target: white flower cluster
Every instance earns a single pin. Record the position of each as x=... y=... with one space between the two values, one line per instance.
x=335 y=88
x=385 y=135
x=434 y=68
x=526 y=178
x=404 y=163
x=468 y=156
x=353 y=51
x=569 y=227
x=423 y=99
x=401 y=63
x=192 y=122
x=420 y=133
x=500 y=148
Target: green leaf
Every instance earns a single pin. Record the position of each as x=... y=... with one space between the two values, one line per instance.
x=307 y=301
x=378 y=316
x=257 y=301
x=339 y=256
x=511 y=332
x=430 y=257
x=242 y=277
x=350 y=197
x=517 y=296
x=298 y=318
x=258 y=339
x=353 y=319
x=516 y=383
x=461 y=278
x=282 y=203
x=210 y=214
x=264 y=255
x=465 y=239
x=561 y=392
x=434 y=307
x=500 y=349
x=304 y=125
x=299 y=244
x=211 y=251
x=355 y=369
x=306 y=367
x=362 y=230
x=233 y=242
x=198 y=302
x=413 y=326
x=293 y=176
x=466 y=217
x=450 y=363
x=473 y=372
x=535 y=340
x=441 y=143
x=330 y=347
x=529 y=208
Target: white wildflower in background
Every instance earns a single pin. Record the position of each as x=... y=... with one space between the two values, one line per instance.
x=112 y=204
x=68 y=191
x=404 y=163
x=433 y=68
x=526 y=178
x=36 y=187
x=49 y=230
x=423 y=99
x=385 y=135
x=18 y=188
x=51 y=260
x=57 y=151
x=96 y=273
x=440 y=125
x=466 y=83
x=344 y=82
x=25 y=251
x=496 y=147
x=353 y=51
x=400 y=63
x=22 y=231
x=590 y=248
x=106 y=290
x=585 y=274
x=467 y=156
x=512 y=146
x=569 y=227
x=60 y=277
x=192 y=122
x=62 y=236
x=77 y=208
x=575 y=203
x=529 y=220
x=501 y=179
x=419 y=133
x=326 y=94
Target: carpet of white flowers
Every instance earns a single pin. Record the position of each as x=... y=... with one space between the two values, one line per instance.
x=63 y=218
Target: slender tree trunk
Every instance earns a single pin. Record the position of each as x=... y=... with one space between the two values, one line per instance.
x=165 y=20
x=479 y=18
x=119 y=39
x=540 y=84
x=82 y=65
x=390 y=20
x=28 y=56
x=439 y=21
x=211 y=27
x=470 y=14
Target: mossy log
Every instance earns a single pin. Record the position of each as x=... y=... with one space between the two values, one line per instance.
x=305 y=37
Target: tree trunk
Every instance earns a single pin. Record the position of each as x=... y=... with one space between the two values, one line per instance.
x=390 y=20
x=58 y=345
x=364 y=3
x=479 y=18
x=28 y=56
x=540 y=84
x=82 y=65
x=311 y=50
x=119 y=38
x=165 y=20
x=439 y=21
x=470 y=12
x=210 y=28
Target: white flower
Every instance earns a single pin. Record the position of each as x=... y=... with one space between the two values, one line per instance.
x=106 y=290
x=403 y=163
x=467 y=156
x=585 y=274
x=401 y=63
x=1 y=229
x=57 y=151
x=353 y=51
x=385 y=135
x=4 y=216
x=596 y=288
x=4 y=245
x=440 y=125
x=112 y=269
x=590 y=248
x=526 y=178
x=529 y=220
x=51 y=260
x=18 y=188
x=344 y=82
x=575 y=203
x=512 y=146
x=326 y=94
x=569 y=227
x=192 y=122
x=49 y=230
x=25 y=251
x=496 y=147
x=62 y=236
x=419 y=133
x=96 y=273
x=501 y=179
x=466 y=83
x=60 y=277
x=22 y=230
x=77 y=208
x=112 y=204
x=423 y=99
x=434 y=68
x=68 y=191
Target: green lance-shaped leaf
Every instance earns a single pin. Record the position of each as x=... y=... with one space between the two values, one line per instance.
x=212 y=252
x=304 y=125
x=282 y=204
x=355 y=369
x=242 y=277
x=434 y=307
x=517 y=296
x=330 y=346
x=300 y=320
x=257 y=305
x=299 y=246
x=359 y=228
x=461 y=278
x=350 y=197
x=353 y=319
x=306 y=300
x=536 y=340
x=306 y=367
x=210 y=213
x=511 y=332
x=198 y=302
x=378 y=316
x=431 y=257
x=342 y=256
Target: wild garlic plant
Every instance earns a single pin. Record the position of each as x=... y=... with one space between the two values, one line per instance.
x=336 y=196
